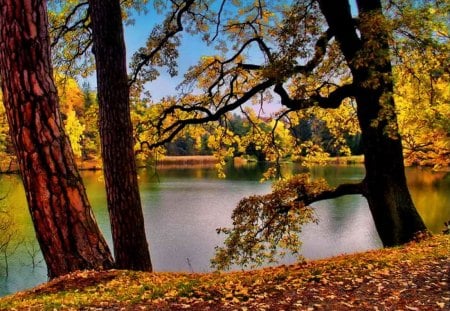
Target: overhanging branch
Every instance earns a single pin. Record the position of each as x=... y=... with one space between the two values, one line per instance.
x=333 y=100
x=319 y=53
x=208 y=115
x=306 y=199
x=341 y=190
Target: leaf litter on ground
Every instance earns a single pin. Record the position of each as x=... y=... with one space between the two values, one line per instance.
x=412 y=277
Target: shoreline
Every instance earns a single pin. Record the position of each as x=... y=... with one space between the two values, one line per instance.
x=195 y=161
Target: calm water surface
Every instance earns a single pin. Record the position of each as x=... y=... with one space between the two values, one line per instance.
x=184 y=206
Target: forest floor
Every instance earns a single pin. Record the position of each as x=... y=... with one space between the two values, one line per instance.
x=411 y=277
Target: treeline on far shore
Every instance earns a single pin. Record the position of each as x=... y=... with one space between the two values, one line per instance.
x=10 y=166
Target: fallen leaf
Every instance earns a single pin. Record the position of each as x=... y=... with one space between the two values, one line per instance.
x=440 y=305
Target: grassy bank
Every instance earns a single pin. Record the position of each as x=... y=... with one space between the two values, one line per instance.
x=412 y=277
x=184 y=161
x=356 y=159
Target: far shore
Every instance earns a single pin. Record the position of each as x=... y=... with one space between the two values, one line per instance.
x=167 y=162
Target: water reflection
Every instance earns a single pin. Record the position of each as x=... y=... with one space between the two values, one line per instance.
x=430 y=192
x=184 y=206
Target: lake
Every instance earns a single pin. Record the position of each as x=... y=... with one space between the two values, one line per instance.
x=183 y=207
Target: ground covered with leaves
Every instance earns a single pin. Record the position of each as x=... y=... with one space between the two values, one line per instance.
x=412 y=277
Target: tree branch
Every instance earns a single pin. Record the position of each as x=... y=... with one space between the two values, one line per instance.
x=146 y=58
x=209 y=115
x=320 y=49
x=65 y=28
x=225 y=103
x=341 y=190
x=319 y=53
x=333 y=100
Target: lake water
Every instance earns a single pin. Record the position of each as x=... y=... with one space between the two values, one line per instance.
x=184 y=206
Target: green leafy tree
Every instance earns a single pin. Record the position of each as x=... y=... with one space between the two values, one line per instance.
x=72 y=109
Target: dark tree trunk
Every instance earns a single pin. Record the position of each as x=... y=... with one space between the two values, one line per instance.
x=393 y=210
x=367 y=55
x=116 y=134
x=65 y=226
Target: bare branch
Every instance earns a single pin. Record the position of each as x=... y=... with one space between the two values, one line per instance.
x=250 y=66
x=306 y=199
x=264 y=48
x=219 y=14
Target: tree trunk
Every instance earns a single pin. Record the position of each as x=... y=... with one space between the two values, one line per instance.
x=65 y=226
x=396 y=218
x=116 y=134
x=367 y=55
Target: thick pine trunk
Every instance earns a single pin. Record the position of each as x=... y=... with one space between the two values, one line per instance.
x=116 y=134
x=367 y=54
x=65 y=226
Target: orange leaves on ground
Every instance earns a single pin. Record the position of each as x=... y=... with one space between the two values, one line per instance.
x=415 y=277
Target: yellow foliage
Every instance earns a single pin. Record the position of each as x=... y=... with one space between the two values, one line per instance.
x=74 y=129
x=266 y=226
x=422 y=96
x=70 y=95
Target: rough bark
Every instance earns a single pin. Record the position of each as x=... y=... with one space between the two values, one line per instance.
x=367 y=56
x=116 y=134
x=65 y=226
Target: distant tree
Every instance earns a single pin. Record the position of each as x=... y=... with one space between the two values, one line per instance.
x=88 y=95
x=4 y=132
x=72 y=110
x=65 y=227
x=70 y=95
x=239 y=125
x=91 y=137
x=181 y=146
x=75 y=131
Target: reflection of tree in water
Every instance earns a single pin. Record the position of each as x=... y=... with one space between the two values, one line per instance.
x=33 y=251
x=426 y=177
x=8 y=232
x=429 y=190
x=10 y=237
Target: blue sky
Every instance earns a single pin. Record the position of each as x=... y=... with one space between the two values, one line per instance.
x=191 y=49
